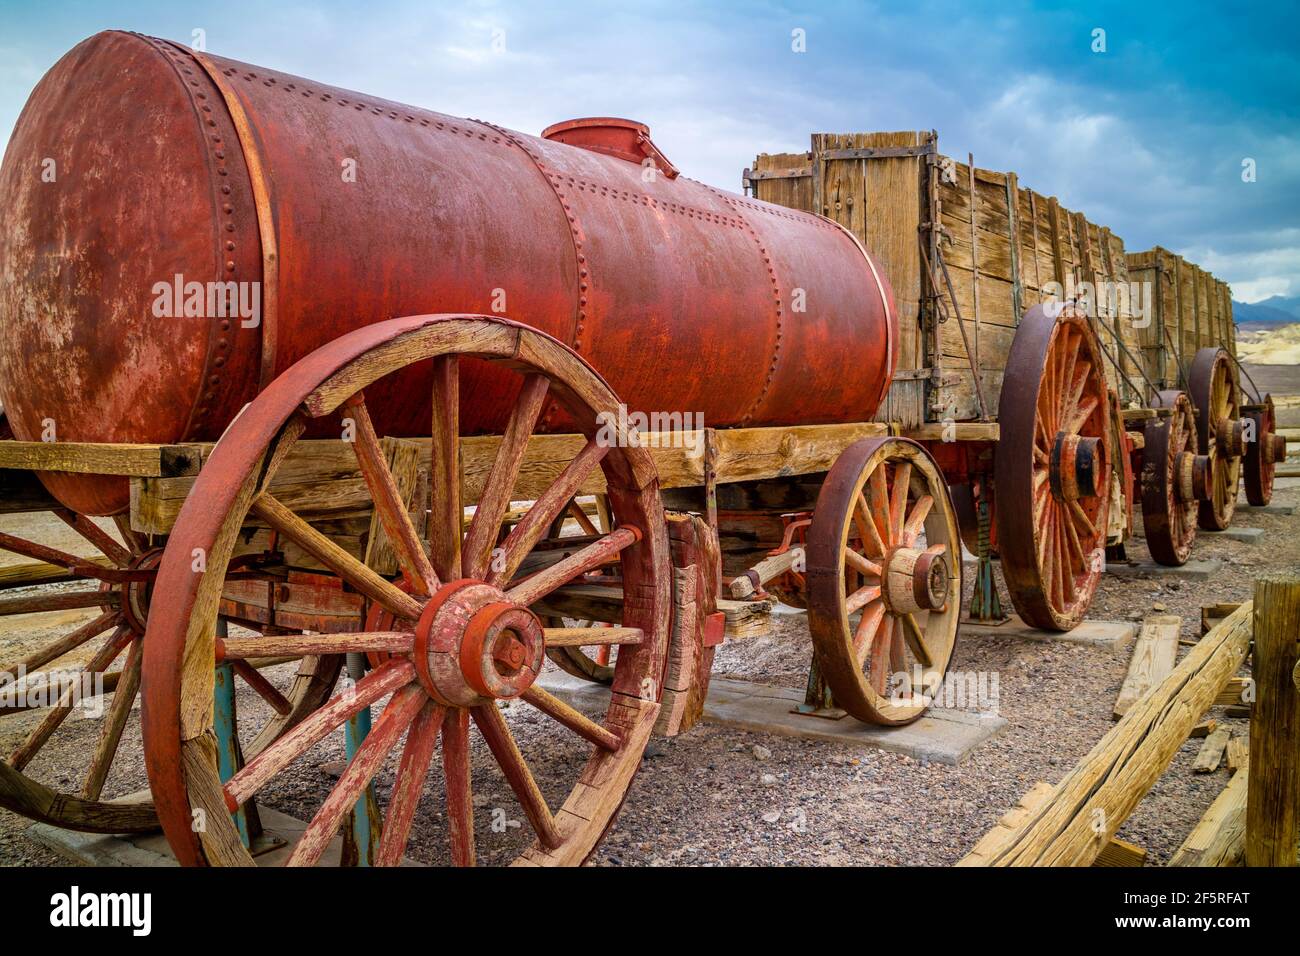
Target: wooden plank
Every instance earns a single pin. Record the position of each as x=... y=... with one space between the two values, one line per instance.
x=100 y=458
x=1121 y=853
x=1238 y=754
x=1211 y=752
x=991 y=843
x=1094 y=799
x=954 y=431
x=1154 y=653
x=1219 y=838
x=1273 y=804
x=1116 y=853
x=1239 y=690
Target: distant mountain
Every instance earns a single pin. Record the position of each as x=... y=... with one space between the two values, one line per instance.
x=1270 y=313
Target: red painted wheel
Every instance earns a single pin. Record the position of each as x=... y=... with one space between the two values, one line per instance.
x=1170 y=464
x=464 y=634
x=1263 y=453
x=1054 y=461
x=1220 y=430
x=884 y=580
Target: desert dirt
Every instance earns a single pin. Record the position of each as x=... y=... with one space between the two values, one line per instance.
x=717 y=796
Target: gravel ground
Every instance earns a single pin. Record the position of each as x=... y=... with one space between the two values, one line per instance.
x=718 y=796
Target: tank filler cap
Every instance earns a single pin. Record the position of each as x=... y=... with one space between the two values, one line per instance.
x=622 y=138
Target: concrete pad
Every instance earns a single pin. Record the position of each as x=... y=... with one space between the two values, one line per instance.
x=151 y=849
x=943 y=735
x=1244 y=535
x=1191 y=571
x=1267 y=509
x=1115 y=636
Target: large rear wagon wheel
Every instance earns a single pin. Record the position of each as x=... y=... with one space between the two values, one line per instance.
x=461 y=633
x=884 y=580
x=1053 y=461
x=1169 y=477
x=1220 y=430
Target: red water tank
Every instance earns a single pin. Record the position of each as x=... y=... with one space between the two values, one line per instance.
x=140 y=169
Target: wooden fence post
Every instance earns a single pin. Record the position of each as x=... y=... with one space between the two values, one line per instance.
x=1273 y=798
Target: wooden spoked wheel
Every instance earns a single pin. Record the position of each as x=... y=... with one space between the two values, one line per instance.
x=1053 y=461
x=462 y=634
x=70 y=666
x=1220 y=430
x=1170 y=464
x=884 y=580
x=1262 y=453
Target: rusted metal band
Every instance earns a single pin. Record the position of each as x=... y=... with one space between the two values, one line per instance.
x=265 y=219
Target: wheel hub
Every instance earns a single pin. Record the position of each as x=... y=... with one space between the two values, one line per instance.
x=914 y=581
x=1076 y=466
x=1274 y=448
x=136 y=595
x=1194 y=477
x=1230 y=436
x=472 y=645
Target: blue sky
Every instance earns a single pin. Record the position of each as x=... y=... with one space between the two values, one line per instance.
x=1147 y=137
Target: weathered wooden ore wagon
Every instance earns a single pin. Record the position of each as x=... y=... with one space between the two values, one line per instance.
x=967 y=252
x=414 y=458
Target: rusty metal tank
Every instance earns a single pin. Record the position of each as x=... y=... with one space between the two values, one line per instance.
x=138 y=160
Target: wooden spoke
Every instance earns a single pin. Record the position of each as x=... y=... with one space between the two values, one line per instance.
x=136 y=541
x=1080 y=416
x=881 y=653
x=877 y=498
x=409 y=784
x=297 y=645
x=388 y=499
x=262 y=687
x=592 y=636
x=502 y=744
x=542 y=583
x=863 y=566
x=898 y=500
x=579 y=723
x=62 y=601
x=576 y=512
x=460 y=802
x=383 y=680
x=96 y=536
x=524 y=536
x=110 y=734
x=390 y=726
x=864 y=635
x=495 y=499
x=861 y=598
x=28 y=749
x=868 y=530
x=916 y=640
x=56 y=649
x=83 y=567
x=445 y=512
x=335 y=558
x=1081 y=516
x=916 y=520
